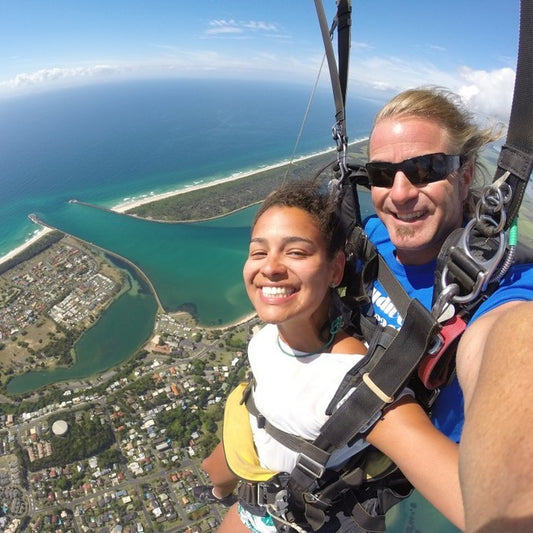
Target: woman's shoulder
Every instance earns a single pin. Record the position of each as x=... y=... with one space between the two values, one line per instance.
x=268 y=332
x=345 y=343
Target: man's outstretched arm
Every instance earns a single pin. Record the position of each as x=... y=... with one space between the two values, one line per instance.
x=495 y=369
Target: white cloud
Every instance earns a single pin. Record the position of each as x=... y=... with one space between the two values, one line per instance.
x=260 y=26
x=485 y=92
x=488 y=92
x=235 y=27
x=395 y=74
x=218 y=27
x=55 y=75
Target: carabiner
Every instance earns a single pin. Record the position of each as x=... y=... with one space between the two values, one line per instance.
x=486 y=268
x=444 y=299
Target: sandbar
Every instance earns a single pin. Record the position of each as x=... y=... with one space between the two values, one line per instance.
x=123 y=207
x=146 y=199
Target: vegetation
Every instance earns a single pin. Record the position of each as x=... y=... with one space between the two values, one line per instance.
x=62 y=347
x=180 y=424
x=221 y=199
x=87 y=435
x=31 y=251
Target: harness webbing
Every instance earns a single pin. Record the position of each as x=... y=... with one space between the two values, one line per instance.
x=388 y=372
x=517 y=154
x=338 y=93
x=344 y=23
x=293 y=442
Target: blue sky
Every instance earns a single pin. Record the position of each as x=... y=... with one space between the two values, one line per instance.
x=468 y=46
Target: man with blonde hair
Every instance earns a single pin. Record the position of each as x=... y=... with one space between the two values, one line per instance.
x=423 y=158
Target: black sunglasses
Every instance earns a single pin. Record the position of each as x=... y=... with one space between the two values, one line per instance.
x=419 y=170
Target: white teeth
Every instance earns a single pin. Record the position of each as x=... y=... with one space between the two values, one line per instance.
x=273 y=292
x=410 y=216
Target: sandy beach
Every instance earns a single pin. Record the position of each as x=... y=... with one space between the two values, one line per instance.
x=148 y=198
x=125 y=206
x=27 y=244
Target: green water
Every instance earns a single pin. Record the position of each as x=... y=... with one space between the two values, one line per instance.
x=121 y=330
x=196 y=266
x=193 y=265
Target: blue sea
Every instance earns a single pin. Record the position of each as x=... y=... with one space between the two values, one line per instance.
x=114 y=143
x=104 y=144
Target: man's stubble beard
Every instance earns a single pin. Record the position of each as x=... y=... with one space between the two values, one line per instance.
x=405 y=233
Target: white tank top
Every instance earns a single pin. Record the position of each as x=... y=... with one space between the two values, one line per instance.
x=293 y=394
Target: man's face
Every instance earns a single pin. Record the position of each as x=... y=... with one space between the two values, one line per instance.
x=418 y=218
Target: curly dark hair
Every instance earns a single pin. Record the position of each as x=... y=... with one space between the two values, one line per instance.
x=314 y=199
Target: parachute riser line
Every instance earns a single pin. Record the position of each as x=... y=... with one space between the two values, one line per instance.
x=339 y=78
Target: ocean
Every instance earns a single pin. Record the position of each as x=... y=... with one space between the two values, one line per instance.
x=108 y=143
x=113 y=143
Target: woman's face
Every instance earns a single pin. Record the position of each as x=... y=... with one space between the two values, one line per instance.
x=288 y=274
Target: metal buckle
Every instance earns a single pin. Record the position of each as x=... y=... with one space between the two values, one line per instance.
x=486 y=267
x=310 y=466
x=262 y=493
x=440 y=310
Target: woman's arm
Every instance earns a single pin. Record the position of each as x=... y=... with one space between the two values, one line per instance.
x=426 y=457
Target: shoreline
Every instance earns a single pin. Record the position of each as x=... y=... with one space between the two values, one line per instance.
x=131 y=204
x=125 y=206
x=32 y=240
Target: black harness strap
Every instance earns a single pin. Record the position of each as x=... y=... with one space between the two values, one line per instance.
x=344 y=23
x=293 y=442
x=516 y=155
x=329 y=486
x=386 y=375
x=339 y=91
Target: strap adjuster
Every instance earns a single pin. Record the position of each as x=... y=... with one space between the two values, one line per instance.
x=310 y=466
x=261 y=493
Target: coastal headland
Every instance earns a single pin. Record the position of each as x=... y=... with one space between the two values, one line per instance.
x=198 y=202
x=221 y=197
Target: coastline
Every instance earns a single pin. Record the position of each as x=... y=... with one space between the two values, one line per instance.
x=131 y=204
x=124 y=207
x=13 y=253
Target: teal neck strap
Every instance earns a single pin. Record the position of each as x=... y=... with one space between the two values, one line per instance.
x=334 y=328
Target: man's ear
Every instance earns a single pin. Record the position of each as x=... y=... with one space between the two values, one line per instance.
x=467 y=177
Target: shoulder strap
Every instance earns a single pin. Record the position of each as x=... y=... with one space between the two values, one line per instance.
x=293 y=442
x=516 y=155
